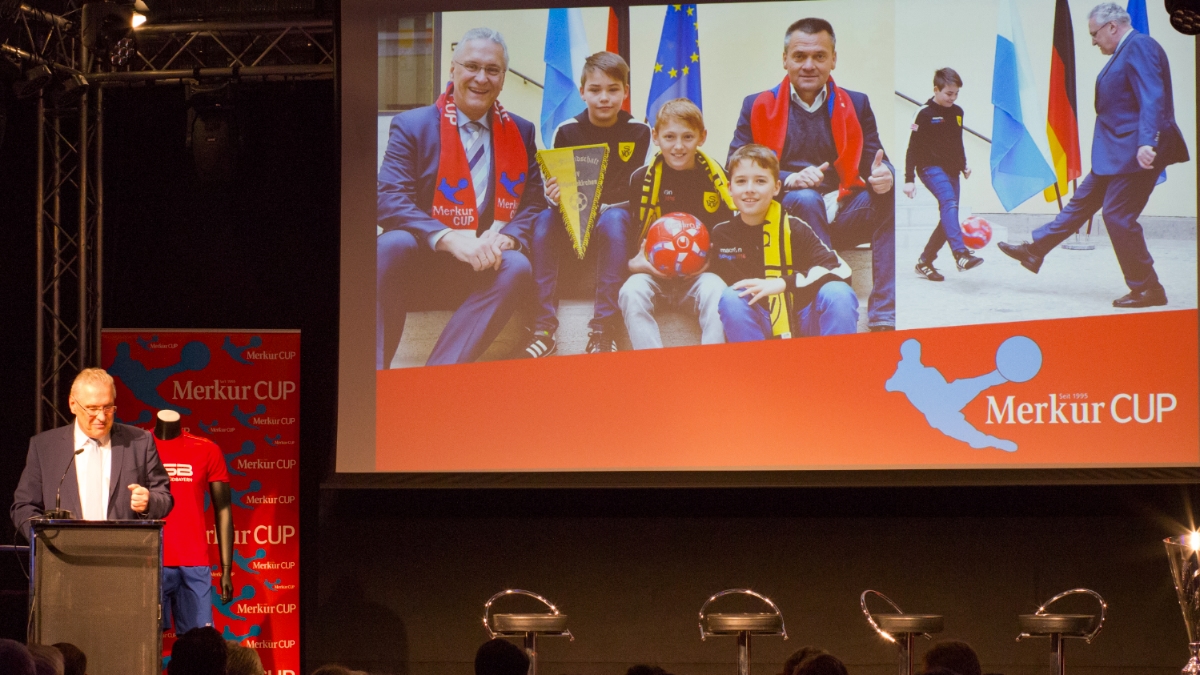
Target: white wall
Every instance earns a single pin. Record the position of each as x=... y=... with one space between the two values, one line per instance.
x=931 y=34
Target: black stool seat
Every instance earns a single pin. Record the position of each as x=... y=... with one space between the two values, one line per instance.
x=914 y=624
x=518 y=624
x=1071 y=625
x=757 y=623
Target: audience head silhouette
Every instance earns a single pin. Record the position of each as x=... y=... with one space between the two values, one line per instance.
x=501 y=657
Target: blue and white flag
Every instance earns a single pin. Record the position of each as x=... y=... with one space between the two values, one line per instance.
x=1020 y=150
x=566 y=50
x=1140 y=21
x=677 y=68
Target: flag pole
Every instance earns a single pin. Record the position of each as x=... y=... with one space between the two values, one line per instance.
x=1078 y=244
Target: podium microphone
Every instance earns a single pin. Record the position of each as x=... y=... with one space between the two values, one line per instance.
x=61 y=513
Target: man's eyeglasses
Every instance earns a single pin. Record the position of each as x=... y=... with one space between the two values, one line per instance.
x=96 y=410
x=1098 y=29
x=474 y=68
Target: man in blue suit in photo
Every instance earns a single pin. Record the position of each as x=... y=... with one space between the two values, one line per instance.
x=1135 y=138
x=835 y=174
x=458 y=192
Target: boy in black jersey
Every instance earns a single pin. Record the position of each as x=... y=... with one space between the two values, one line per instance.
x=935 y=152
x=783 y=281
x=604 y=86
x=681 y=179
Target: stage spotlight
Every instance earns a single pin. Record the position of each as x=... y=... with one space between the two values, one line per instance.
x=36 y=79
x=213 y=134
x=1185 y=15
x=66 y=91
x=108 y=29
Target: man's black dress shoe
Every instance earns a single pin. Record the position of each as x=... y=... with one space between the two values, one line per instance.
x=1022 y=254
x=1151 y=297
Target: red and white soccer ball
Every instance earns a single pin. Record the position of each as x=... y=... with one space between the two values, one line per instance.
x=976 y=232
x=677 y=244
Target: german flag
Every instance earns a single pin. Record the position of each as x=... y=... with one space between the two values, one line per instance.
x=618 y=38
x=1062 y=121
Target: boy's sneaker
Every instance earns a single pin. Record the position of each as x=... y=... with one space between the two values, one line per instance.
x=966 y=260
x=540 y=345
x=600 y=343
x=926 y=270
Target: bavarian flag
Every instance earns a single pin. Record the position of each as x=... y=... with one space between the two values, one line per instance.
x=580 y=174
x=1020 y=157
x=1062 y=118
x=677 y=68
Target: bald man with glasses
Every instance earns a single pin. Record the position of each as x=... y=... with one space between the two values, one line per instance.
x=459 y=190
x=116 y=473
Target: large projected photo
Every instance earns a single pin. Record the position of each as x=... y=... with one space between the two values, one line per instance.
x=790 y=235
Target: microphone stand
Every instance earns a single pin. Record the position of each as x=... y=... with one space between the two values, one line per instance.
x=59 y=513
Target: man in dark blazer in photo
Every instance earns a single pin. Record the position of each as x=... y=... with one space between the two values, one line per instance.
x=106 y=471
x=1135 y=138
x=836 y=176
x=459 y=190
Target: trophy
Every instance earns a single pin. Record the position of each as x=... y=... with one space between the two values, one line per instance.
x=1182 y=553
x=901 y=628
x=743 y=625
x=1058 y=627
x=529 y=626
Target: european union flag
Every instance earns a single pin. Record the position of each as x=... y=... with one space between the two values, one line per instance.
x=677 y=68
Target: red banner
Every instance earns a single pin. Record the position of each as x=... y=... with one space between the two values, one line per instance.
x=240 y=389
x=1110 y=391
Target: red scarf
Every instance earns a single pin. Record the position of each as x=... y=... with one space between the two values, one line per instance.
x=769 y=120
x=454 y=198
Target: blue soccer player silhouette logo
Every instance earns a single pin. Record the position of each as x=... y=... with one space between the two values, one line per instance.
x=235 y=352
x=1017 y=360
x=143 y=382
x=226 y=608
x=450 y=192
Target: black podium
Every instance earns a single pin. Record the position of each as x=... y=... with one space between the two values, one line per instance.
x=96 y=584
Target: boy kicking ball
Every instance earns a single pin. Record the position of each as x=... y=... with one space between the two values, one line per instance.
x=783 y=281
x=936 y=154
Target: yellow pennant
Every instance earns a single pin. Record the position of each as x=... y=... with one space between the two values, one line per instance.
x=580 y=174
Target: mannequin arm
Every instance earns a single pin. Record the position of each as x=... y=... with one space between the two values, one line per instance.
x=224 y=520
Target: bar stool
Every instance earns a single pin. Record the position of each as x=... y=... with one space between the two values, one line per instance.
x=900 y=628
x=1059 y=627
x=527 y=626
x=743 y=625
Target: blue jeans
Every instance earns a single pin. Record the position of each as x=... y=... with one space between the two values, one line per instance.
x=833 y=312
x=863 y=217
x=611 y=241
x=945 y=188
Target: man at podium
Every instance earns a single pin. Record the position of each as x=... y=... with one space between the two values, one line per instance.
x=92 y=469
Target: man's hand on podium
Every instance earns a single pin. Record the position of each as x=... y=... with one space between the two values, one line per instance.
x=226 y=584
x=139 y=501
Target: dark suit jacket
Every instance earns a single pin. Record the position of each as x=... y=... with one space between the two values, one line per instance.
x=789 y=165
x=408 y=178
x=1135 y=107
x=134 y=460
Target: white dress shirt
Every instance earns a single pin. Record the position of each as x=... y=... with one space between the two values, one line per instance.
x=83 y=462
